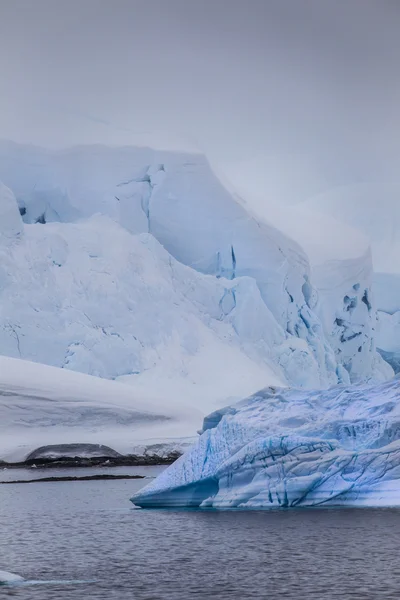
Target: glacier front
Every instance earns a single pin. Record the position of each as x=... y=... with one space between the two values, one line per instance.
x=291 y=448
x=139 y=263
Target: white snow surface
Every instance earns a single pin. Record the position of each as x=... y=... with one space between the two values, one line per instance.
x=287 y=448
x=45 y=406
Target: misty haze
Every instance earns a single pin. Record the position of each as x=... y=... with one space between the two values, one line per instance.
x=199 y=299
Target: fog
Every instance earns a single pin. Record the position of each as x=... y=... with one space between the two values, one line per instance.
x=242 y=79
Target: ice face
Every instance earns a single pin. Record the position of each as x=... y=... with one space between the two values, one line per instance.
x=340 y=289
x=122 y=306
x=173 y=279
x=10 y=219
x=374 y=210
x=387 y=291
x=286 y=448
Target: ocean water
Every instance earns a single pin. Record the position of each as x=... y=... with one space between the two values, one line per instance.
x=84 y=540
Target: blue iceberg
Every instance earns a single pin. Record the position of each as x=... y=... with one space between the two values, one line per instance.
x=291 y=448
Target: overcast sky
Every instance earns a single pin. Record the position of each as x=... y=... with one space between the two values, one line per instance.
x=242 y=77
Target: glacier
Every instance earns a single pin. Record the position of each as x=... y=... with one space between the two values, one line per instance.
x=284 y=448
x=143 y=266
x=374 y=210
x=148 y=268
x=328 y=210
x=14 y=580
x=343 y=290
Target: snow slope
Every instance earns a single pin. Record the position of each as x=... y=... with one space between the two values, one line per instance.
x=286 y=448
x=45 y=406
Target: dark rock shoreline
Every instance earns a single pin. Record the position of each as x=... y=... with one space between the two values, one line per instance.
x=94 y=461
x=66 y=478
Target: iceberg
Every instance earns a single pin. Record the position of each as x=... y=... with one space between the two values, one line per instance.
x=7 y=578
x=291 y=448
x=11 y=579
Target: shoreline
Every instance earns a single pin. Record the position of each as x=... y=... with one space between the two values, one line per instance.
x=68 y=462
x=98 y=477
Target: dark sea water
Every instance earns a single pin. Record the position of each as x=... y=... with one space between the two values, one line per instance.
x=88 y=530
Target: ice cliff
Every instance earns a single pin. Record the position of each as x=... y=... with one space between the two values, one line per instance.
x=350 y=234
x=137 y=263
x=288 y=448
x=374 y=210
x=10 y=219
